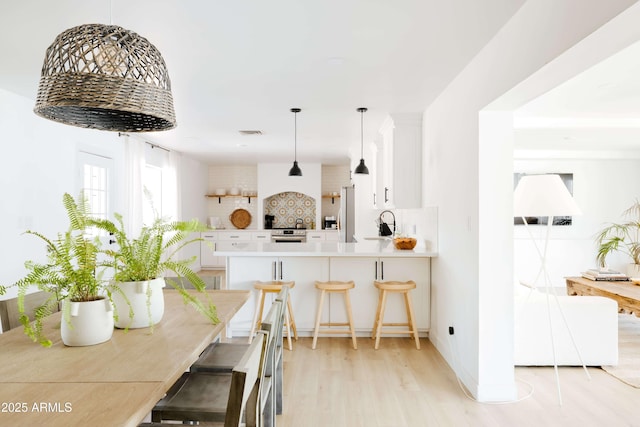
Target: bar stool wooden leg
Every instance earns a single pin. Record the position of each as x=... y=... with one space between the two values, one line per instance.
x=375 y=322
x=347 y=300
x=412 y=319
x=257 y=317
x=383 y=303
x=318 y=316
x=287 y=325
x=396 y=287
x=293 y=320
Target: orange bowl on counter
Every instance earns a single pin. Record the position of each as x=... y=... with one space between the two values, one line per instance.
x=404 y=242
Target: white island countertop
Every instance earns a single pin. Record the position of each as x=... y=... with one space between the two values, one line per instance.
x=377 y=248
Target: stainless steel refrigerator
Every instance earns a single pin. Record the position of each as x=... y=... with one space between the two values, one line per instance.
x=347 y=215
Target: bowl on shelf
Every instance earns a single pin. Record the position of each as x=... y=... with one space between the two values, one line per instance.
x=234 y=191
x=404 y=242
x=220 y=192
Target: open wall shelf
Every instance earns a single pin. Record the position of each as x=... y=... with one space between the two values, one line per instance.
x=219 y=197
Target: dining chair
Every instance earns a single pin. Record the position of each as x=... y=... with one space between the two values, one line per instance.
x=10 y=314
x=202 y=396
x=220 y=357
x=221 y=399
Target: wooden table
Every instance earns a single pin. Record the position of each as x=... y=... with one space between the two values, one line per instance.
x=626 y=294
x=114 y=383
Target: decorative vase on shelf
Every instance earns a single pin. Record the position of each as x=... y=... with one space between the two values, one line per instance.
x=87 y=322
x=138 y=304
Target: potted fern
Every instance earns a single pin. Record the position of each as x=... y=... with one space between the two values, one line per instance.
x=622 y=237
x=72 y=276
x=139 y=265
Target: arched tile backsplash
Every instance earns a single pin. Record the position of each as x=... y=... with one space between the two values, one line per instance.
x=288 y=206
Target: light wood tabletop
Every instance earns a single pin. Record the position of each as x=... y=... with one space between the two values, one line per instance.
x=108 y=375
x=625 y=293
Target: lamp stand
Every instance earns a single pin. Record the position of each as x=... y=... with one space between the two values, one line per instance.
x=548 y=290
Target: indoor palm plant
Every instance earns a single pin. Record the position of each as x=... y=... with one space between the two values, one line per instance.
x=71 y=276
x=622 y=237
x=139 y=265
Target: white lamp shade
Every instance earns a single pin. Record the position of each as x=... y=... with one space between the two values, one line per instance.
x=543 y=195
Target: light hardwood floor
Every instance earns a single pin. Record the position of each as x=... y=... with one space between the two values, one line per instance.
x=398 y=386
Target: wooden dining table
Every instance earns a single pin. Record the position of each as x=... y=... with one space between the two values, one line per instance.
x=115 y=383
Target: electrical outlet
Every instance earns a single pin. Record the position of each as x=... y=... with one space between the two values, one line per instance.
x=450 y=330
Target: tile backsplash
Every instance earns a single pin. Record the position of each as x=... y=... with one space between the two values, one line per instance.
x=288 y=206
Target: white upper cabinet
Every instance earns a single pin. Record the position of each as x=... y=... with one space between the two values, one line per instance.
x=399 y=162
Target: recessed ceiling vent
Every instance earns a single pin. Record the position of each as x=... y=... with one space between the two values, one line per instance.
x=250 y=132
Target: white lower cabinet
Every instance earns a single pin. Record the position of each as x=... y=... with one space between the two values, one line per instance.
x=208 y=260
x=403 y=269
x=364 y=297
x=242 y=272
x=305 y=271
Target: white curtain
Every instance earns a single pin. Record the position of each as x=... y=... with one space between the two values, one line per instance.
x=171 y=200
x=135 y=164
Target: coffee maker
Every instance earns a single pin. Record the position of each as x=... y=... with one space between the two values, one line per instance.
x=330 y=223
x=268 y=221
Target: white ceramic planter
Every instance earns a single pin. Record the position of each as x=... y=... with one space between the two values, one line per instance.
x=146 y=299
x=86 y=323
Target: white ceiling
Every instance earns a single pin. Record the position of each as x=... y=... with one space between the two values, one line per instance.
x=597 y=110
x=241 y=65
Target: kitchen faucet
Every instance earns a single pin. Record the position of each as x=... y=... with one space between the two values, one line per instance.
x=384 y=229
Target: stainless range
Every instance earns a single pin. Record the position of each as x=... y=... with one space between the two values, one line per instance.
x=288 y=235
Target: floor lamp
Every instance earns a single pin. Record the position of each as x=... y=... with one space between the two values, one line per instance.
x=546 y=196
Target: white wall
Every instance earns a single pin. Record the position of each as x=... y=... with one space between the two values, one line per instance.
x=241 y=177
x=468 y=175
x=193 y=187
x=602 y=188
x=39 y=166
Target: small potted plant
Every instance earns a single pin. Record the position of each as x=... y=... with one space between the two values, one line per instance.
x=139 y=265
x=72 y=276
x=622 y=237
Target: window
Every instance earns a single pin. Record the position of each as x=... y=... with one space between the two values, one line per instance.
x=95 y=184
x=152 y=185
x=95 y=190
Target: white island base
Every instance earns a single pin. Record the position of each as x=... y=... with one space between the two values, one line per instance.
x=305 y=263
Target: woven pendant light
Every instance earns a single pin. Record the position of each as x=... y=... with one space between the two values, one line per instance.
x=105 y=77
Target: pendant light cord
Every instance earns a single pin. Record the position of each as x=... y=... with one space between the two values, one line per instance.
x=295 y=136
x=362 y=134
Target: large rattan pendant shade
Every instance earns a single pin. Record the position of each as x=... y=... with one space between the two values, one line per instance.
x=105 y=77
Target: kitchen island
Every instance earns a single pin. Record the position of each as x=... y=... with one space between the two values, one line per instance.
x=305 y=263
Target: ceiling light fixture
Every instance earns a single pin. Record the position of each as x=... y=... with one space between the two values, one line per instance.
x=362 y=168
x=105 y=77
x=295 y=169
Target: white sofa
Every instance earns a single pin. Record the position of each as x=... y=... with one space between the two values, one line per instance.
x=593 y=321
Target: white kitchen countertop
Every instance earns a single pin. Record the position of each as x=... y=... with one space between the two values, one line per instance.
x=373 y=248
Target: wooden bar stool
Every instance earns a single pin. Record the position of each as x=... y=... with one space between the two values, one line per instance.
x=394 y=287
x=274 y=288
x=338 y=288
